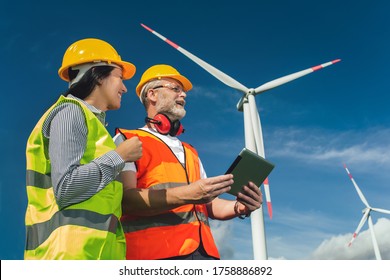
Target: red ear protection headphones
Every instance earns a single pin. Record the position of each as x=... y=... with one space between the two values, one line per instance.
x=165 y=126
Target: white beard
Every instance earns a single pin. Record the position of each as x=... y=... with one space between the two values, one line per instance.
x=169 y=107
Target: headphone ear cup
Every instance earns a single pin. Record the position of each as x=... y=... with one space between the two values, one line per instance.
x=180 y=131
x=163 y=124
x=176 y=129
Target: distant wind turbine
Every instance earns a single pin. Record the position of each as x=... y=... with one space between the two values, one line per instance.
x=366 y=216
x=252 y=127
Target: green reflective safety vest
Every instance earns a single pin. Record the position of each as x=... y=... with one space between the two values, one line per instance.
x=87 y=230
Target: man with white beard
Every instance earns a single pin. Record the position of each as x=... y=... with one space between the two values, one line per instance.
x=167 y=196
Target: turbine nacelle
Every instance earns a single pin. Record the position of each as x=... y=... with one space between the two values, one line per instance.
x=251 y=91
x=244 y=99
x=366 y=209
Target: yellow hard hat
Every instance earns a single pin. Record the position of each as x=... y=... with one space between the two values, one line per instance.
x=92 y=50
x=162 y=71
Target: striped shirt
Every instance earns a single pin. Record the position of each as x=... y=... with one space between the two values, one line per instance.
x=66 y=129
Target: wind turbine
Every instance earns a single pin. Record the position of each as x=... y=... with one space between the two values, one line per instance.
x=252 y=127
x=366 y=216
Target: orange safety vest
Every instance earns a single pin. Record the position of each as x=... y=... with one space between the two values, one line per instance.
x=176 y=232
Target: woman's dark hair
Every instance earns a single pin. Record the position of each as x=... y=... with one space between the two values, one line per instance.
x=88 y=82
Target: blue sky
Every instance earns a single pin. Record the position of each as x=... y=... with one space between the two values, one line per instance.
x=311 y=126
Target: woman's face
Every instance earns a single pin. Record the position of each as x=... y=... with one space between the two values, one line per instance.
x=111 y=90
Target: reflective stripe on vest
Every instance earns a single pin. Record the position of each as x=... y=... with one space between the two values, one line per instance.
x=167 y=219
x=39 y=233
x=86 y=230
x=178 y=231
x=37 y=179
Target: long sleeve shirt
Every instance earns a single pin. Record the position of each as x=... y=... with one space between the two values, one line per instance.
x=66 y=129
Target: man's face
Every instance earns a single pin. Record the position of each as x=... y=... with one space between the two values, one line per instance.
x=171 y=99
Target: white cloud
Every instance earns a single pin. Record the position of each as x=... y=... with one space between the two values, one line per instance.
x=322 y=146
x=222 y=233
x=335 y=248
x=301 y=236
x=291 y=235
x=294 y=235
x=364 y=148
x=233 y=239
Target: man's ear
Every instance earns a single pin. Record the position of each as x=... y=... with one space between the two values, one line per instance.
x=152 y=95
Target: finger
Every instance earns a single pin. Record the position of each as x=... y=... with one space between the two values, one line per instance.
x=219 y=182
x=248 y=201
x=219 y=191
x=254 y=188
x=249 y=192
x=253 y=200
x=254 y=191
x=222 y=187
x=251 y=207
x=220 y=178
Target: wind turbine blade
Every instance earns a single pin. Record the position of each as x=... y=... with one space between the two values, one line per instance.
x=227 y=80
x=356 y=187
x=373 y=238
x=384 y=211
x=268 y=197
x=289 y=78
x=359 y=227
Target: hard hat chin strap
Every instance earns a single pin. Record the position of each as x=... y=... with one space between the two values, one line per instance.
x=83 y=68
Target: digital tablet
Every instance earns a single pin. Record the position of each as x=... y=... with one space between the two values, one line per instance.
x=248 y=166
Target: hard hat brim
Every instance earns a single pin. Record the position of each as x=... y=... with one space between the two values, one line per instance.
x=187 y=85
x=128 y=70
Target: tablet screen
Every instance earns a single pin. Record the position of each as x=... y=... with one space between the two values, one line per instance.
x=248 y=166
